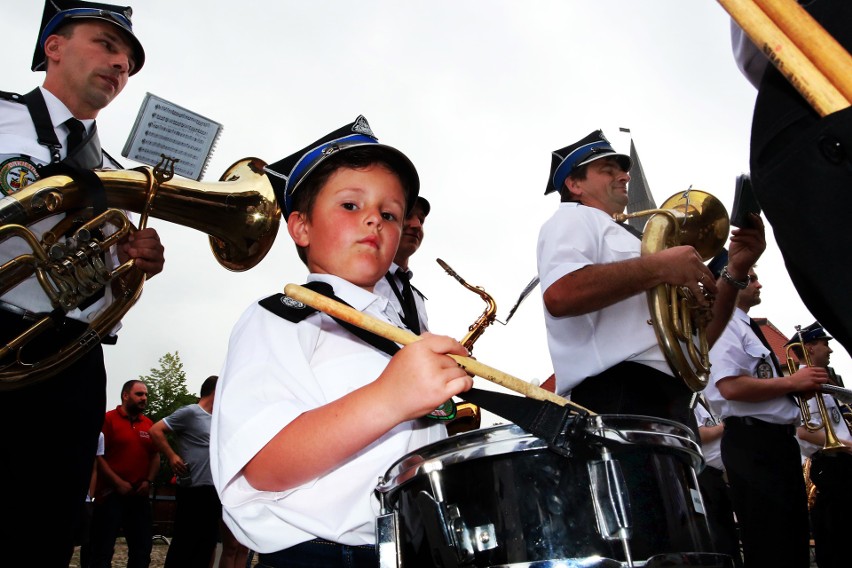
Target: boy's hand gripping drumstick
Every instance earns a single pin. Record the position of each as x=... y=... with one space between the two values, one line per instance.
x=401 y=336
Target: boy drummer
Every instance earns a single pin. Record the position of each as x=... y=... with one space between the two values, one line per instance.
x=309 y=415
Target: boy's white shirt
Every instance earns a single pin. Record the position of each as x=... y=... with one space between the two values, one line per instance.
x=274 y=371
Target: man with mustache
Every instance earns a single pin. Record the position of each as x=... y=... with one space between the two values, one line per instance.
x=126 y=472
x=593 y=279
x=87 y=51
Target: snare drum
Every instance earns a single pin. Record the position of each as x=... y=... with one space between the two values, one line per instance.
x=500 y=497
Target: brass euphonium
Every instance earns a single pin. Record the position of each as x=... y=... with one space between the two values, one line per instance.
x=695 y=218
x=832 y=442
x=239 y=214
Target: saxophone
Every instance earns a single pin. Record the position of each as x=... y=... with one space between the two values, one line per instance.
x=468 y=416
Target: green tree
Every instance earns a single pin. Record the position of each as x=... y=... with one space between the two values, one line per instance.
x=167 y=387
x=166 y=393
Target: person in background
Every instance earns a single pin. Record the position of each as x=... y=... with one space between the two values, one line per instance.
x=712 y=481
x=199 y=511
x=830 y=470
x=126 y=473
x=748 y=390
x=396 y=284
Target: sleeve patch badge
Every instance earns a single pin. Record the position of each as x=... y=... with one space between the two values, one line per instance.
x=16 y=174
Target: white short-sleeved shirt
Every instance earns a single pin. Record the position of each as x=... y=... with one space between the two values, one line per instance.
x=383 y=288
x=582 y=346
x=712 y=450
x=98 y=452
x=739 y=352
x=837 y=422
x=18 y=137
x=276 y=370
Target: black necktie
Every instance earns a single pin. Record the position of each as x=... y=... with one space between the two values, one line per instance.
x=757 y=331
x=75 y=135
x=409 y=307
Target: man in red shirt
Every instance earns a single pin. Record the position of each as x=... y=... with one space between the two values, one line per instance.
x=126 y=472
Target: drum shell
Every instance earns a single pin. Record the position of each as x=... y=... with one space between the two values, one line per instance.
x=537 y=504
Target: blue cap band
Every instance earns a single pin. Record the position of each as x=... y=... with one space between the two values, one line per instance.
x=56 y=20
x=309 y=159
x=574 y=158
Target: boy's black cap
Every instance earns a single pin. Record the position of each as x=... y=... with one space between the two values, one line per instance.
x=58 y=12
x=288 y=174
x=593 y=147
x=813 y=332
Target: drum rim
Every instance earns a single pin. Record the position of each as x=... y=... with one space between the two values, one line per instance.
x=511 y=438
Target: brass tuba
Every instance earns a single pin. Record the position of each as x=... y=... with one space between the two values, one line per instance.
x=240 y=215
x=695 y=218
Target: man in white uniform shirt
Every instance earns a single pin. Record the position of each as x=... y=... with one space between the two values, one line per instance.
x=594 y=279
x=759 y=448
x=88 y=51
x=831 y=470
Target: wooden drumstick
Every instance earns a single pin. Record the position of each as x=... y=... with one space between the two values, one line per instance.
x=820 y=93
x=811 y=38
x=401 y=336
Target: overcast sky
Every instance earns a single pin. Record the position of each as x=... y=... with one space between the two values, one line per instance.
x=476 y=93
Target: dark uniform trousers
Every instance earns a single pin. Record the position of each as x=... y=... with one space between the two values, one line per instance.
x=196 y=527
x=764 y=468
x=831 y=515
x=48 y=439
x=720 y=513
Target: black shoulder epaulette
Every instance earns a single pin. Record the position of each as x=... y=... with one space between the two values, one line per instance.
x=13 y=97
x=294 y=310
x=286 y=307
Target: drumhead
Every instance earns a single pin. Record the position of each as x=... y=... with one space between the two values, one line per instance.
x=624 y=429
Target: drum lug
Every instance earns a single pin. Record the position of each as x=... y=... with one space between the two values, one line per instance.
x=470 y=541
x=611 y=502
x=387 y=541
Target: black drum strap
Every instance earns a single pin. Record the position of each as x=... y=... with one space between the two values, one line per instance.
x=555 y=424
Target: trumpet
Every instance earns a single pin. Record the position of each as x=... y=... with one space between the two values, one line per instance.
x=832 y=442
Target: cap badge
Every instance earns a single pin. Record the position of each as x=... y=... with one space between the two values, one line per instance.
x=361 y=126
